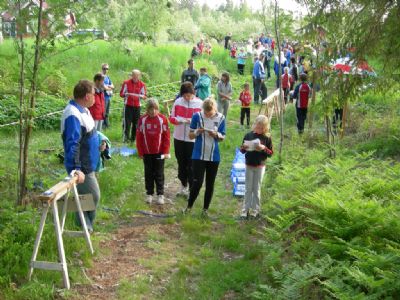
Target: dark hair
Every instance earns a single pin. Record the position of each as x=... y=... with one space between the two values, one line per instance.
x=203 y=69
x=246 y=85
x=293 y=60
x=82 y=88
x=303 y=77
x=98 y=77
x=187 y=88
x=226 y=75
x=190 y=61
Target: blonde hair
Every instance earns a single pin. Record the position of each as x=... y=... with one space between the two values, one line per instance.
x=136 y=71
x=209 y=104
x=152 y=103
x=264 y=121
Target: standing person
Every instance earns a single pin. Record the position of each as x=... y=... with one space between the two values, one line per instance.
x=81 y=144
x=153 y=143
x=203 y=85
x=190 y=74
x=257 y=146
x=276 y=67
x=241 y=61
x=267 y=60
x=208 y=128
x=245 y=99
x=200 y=46
x=98 y=110
x=224 y=92
x=182 y=111
x=233 y=50
x=132 y=91
x=286 y=79
x=294 y=72
x=302 y=95
x=227 y=39
x=108 y=92
x=258 y=80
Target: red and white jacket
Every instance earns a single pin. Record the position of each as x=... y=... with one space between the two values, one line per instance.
x=152 y=135
x=129 y=86
x=184 y=110
x=97 y=110
x=245 y=98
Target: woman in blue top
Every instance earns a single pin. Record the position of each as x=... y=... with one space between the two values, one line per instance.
x=208 y=128
x=241 y=61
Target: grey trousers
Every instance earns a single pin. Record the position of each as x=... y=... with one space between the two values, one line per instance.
x=98 y=124
x=252 y=196
x=89 y=186
x=223 y=106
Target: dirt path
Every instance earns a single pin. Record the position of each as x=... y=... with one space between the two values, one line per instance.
x=123 y=249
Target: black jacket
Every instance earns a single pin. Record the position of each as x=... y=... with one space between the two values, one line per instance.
x=257 y=158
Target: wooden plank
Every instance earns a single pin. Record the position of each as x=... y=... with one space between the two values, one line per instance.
x=71 y=233
x=59 y=189
x=46 y=265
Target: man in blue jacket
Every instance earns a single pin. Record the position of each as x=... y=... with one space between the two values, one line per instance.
x=81 y=144
x=258 y=79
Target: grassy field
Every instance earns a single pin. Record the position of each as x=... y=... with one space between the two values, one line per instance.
x=329 y=228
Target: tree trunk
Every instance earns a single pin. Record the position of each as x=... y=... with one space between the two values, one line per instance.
x=281 y=103
x=32 y=99
x=22 y=112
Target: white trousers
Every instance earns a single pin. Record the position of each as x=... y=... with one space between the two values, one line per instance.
x=252 y=196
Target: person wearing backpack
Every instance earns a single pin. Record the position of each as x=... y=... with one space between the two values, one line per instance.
x=302 y=94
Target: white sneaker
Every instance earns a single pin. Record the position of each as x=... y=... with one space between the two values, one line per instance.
x=160 y=199
x=149 y=199
x=184 y=191
x=244 y=213
x=254 y=213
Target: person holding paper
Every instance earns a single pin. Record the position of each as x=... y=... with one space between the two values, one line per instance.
x=181 y=115
x=153 y=143
x=208 y=128
x=257 y=145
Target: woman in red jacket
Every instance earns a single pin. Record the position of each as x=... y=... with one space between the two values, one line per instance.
x=98 y=109
x=153 y=143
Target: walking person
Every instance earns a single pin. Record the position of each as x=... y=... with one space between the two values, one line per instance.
x=108 y=93
x=190 y=74
x=132 y=91
x=81 y=145
x=241 y=61
x=245 y=99
x=208 y=128
x=97 y=110
x=153 y=143
x=258 y=80
x=181 y=115
x=203 y=85
x=302 y=94
x=224 y=92
x=257 y=146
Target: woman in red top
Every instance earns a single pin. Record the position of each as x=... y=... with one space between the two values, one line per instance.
x=98 y=109
x=153 y=143
x=245 y=98
x=286 y=79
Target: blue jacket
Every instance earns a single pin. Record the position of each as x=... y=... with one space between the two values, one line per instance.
x=107 y=94
x=258 y=70
x=276 y=67
x=80 y=140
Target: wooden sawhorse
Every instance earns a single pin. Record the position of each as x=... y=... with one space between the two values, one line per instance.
x=49 y=199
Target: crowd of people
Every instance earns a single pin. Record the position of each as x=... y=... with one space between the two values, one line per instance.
x=199 y=125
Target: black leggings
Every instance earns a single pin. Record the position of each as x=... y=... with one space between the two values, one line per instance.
x=241 y=69
x=183 y=154
x=131 y=118
x=153 y=173
x=245 y=111
x=210 y=168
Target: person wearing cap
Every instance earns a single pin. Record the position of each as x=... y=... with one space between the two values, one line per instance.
x=132 y=90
